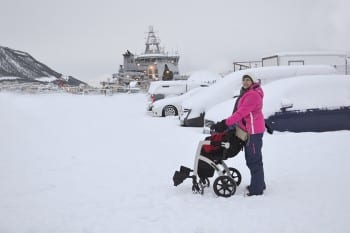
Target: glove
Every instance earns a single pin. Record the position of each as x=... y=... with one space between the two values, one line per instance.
x=219 y=127
x=268 y=128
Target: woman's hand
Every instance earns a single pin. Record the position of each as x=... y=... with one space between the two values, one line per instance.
x=219 y=127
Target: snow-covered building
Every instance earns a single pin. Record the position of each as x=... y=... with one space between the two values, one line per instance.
x=338 y=60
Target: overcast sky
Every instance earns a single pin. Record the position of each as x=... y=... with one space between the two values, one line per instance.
x=86 y=38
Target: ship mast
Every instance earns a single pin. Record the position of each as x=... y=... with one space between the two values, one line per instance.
x=152 y=42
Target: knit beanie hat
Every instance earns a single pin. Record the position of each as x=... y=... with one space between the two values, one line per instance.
x=249 y=77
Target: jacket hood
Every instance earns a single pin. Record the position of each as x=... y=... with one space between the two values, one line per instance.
x=256 y=87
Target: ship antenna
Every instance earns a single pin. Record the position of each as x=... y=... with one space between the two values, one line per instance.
x=152 y=42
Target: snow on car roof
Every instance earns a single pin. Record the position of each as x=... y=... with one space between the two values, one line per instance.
x=305 y=92
x=177 y=99
x=203 y=76
x=155 y=84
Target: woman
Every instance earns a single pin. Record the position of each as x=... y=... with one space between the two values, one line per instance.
x=248 y=116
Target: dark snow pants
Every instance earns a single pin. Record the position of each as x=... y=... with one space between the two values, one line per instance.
x=253 y=157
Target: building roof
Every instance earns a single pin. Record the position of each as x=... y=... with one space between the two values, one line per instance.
x=311 y=53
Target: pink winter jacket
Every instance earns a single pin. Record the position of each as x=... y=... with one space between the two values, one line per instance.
x=249 y=108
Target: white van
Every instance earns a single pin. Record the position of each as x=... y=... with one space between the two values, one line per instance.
x=193 y=109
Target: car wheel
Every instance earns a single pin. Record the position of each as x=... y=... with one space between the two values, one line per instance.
x=169 y=110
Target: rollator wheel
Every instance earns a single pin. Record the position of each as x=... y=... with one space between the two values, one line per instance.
x=236 y=175
x=204 y=182
x=224 y=186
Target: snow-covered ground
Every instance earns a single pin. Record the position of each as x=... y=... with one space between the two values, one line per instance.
x=96 y=164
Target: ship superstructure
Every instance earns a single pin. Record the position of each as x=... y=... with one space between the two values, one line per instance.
x=154 y=64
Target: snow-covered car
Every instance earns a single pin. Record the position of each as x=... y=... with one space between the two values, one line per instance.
x=198 y=78
x=163 y=89
x=313 y=103
x=193 y=109
x=171 y=106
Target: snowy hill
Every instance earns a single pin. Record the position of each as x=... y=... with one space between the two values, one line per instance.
x=20 y=66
